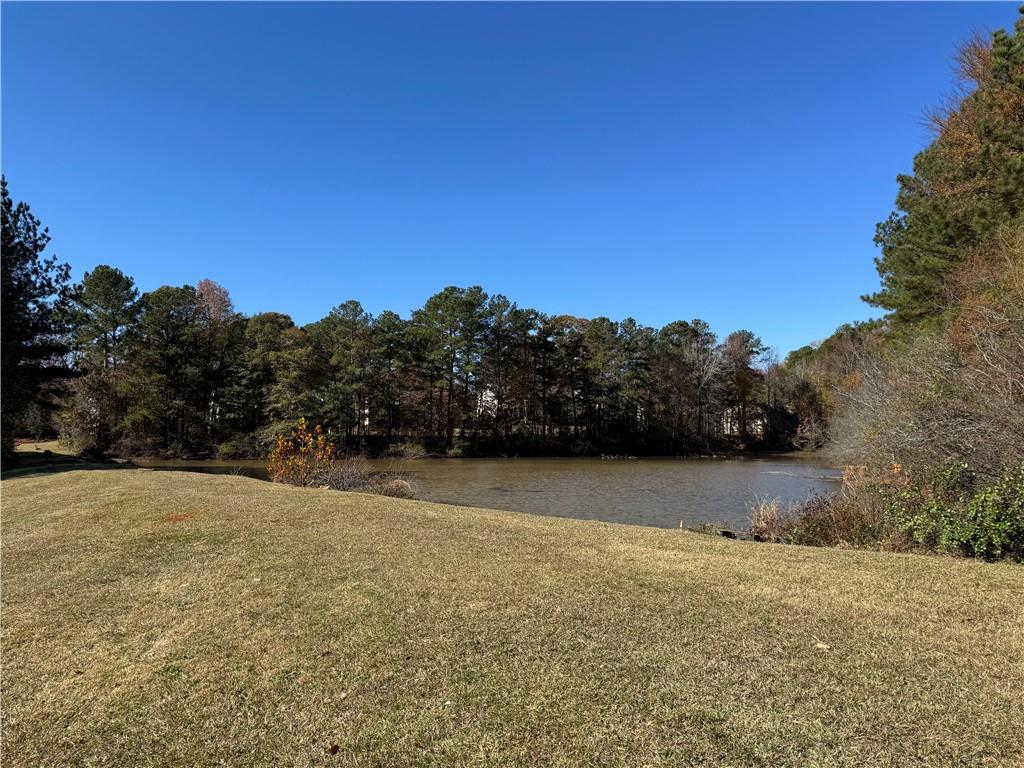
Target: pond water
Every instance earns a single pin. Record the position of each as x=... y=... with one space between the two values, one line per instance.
x=662 y=492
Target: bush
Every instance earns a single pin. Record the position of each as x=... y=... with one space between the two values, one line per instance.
x=397 y=487
x=991 y=523
x=131 y=445
x=841 y=519
x=943 y=513
x=767 y=523
x=309 y=459
x=303 y=458
x=458 y=449
x=830 y=520
x=355 y=474
x=949 y=513
x=173 y=450
x=348 y=474
x=406 y=449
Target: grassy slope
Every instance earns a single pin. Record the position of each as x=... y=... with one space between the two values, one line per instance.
x=180 y=619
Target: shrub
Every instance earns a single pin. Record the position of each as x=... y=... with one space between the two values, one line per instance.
x=990 y=524
x=174 y=450
x=132 y=445
x=458 y=449
x=397 y=487
x=309 y=459
x=830 y=520
x=949 y=513
x=887 y=510
x=841 y=519
x=302 y=458
x=406 y=450
x=953 y=478
x=766 y=521
x=348 y=474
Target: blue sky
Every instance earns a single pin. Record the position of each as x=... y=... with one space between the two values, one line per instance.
x=659 y=161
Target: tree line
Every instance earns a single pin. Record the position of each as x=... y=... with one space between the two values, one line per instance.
x=178 y=371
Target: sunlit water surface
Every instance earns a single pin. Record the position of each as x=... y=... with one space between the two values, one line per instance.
x=658 y=492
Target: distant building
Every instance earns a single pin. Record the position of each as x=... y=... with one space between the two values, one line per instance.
x=731 y=423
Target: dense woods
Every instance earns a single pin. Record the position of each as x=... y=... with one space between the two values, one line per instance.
x=928 y=402
x=178 y=371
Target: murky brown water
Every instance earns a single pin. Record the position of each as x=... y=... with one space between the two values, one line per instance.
x=658 y=492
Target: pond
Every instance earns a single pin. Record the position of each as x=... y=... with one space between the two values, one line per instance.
x=662 y=492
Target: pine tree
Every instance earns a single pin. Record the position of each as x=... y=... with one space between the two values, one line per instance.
x=33 y=322
x=968 y=182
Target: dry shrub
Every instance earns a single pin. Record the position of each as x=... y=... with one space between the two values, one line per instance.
x=856 y=516
x=347 y=474
x=355 y=474
x=841 y=519
x=831 y=520
x=767 y=523
x=946 y=511
x=397 y=487
x=308 y=458
x=407 y=449
x=951 y=395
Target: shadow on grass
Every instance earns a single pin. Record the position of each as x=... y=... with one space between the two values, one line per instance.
x=49 y=466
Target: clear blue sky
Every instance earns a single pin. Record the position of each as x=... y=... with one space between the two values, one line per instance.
x=660 y=161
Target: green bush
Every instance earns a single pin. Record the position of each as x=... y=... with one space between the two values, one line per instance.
x=990 y=524
x=920 y=522
x=458 y=449
x=954 y=479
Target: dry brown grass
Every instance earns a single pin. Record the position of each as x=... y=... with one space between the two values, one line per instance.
x=161 y=618
x=767 y=520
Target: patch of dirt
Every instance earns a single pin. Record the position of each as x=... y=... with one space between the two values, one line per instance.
x=179 y=517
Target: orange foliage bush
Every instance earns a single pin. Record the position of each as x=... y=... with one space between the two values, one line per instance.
x=304 y=458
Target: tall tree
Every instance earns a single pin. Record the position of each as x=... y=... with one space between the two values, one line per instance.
x=33 y=295
x=104 y=311
x=166 y=375
x=220 y=337
x=968 y=182
x=637 y=343
x=451 y=328
x=344 y=341
x=390 y=362
x=740 y=353
x=278 y=372
x=682 y=375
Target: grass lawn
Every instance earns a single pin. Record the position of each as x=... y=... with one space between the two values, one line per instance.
x=163 y=618
x=33 y=447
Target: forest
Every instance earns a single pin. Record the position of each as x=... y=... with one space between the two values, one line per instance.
x=177 y=371
x=928 y=402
